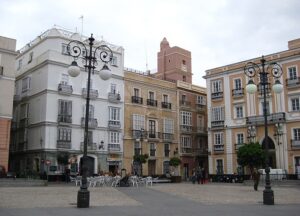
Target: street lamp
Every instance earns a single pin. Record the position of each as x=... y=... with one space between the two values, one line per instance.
x=90 y=56
x=273 y=69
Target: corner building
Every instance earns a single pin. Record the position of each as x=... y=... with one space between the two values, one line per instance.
x=236 y=117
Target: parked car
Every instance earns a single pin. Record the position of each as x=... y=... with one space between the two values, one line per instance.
x=11 y=175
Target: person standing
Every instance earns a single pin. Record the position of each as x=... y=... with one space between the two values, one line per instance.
x=256 y=177
x=202 y=176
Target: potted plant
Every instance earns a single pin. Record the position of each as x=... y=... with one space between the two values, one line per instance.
x=175 y=162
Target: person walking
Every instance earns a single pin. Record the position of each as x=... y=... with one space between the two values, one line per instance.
x=202 y=176
x=199 y=175
x=256 y=177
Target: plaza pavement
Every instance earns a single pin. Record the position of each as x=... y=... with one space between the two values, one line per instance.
x=160 y=199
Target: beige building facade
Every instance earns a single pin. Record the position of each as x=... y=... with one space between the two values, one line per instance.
x=7 y=83
x=236 y=117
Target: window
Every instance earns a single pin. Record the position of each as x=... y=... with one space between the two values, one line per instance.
x=267 y=107
x=19 y=64
x=240 y=138
x=152 y=129
x=167 y=149
x=25 y=84
x=114 y=61
x=186 y=118
x=91 y=111
x=65 y=111
x=64 y=79
x=239 y=111
x=64 y=134
x=296 y=134
x=137 y=148
x=292 y=72
x=168 y=126
x=237 y=84
x=295 y=104
x=165 y=98
x=218 y=139
x=90 y=138
x=65 y=49
x=217 y=113
x=184 y=78
x=183 y=62
x=1 y=71
x=138 y=122
x=114 y=137
x=201 y=100
x=186 y=142
x=114 y=114
x=216 y=86
x=113 y=88
x=24 y=111
x=219 y=167
x=166 y=167
x=91 y=83
x=30 y=57
x=152 y=149
x=151 y=95
x=136 y=92
x=183 y=98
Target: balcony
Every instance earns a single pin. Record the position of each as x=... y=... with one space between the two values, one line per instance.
x=136 y=134
x=260 y=88
x=64 y=119
x=17 y=98
x=65 y=89
x=151 y=102
x=61 y=144
x=238 y=145
x=90 y=147
x=200 y=107
x=295 y=144
x=216 y=95
x=114 y=147
x=218 y=148
x=186 y=128
x=153 y=135
x=93 y=123
x=271 y=118
x=93 y=93
x=186 y=150
x=201 y=129
x=184 y=103
x=217 y=124
x=114 y=125
x=113 y=97
x=201 y=151
x=237 y=93
x=292 y=83
x=166 y=105
x=137 y=100
x=167 y=137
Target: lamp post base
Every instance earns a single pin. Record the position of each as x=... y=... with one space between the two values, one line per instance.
x=83 y=198
x=268 y=197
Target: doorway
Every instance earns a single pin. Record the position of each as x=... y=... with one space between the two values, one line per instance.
x=151 y=167
x=271 y=151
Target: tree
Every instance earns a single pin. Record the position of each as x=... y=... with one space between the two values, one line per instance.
x=251 y=155
x=140 y=159
x=175 y=162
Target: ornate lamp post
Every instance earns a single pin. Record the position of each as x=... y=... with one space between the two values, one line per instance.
x=273 y=69
x=91 y=57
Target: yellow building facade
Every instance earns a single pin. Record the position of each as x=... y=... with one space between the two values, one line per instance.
x=236 y=117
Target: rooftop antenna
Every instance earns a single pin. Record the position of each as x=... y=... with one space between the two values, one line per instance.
x=81 y=17
x=146 y=54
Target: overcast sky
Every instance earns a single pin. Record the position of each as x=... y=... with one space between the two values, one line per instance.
x=217 y=32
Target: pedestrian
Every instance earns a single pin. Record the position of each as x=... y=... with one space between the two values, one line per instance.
x=194 y=176
x=256 y=177
x=202 y=176
x=199 y=175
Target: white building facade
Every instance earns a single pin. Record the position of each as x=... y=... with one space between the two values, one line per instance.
x=49 y=109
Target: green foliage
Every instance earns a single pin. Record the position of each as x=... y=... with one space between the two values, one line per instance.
x=141 y=158
x=175 y=161
x=251 y=155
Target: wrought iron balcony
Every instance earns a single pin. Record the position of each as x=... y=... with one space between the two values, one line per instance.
x=201 y=129
x=186 y=128
x=219 y=148
x=271 y=118
x=114 y=147
x=200 y=107
x=65 y=89
x=90 y=147
x=64 y=119
x=153 y=135
x=166 y=105
x=238 y=92
x=138 y=134
x=61 y=144
x=114 y=97
x=217 y=124
x=114 y=125
x=201 y=151
x=185 y=150
x=93 y=123
x=217 y=95
x=291 y=83
x=167 y=137
x=93 y=93
x=151 y=102
x=185 y=103
x=137 y=100
x=295 y=144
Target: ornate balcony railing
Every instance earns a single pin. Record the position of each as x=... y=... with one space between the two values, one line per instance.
x=114 y=97
x=167 y=136
x=151 y=102
x=65 y=89
x=216 y=95
x=166 y=105
x=90 y=147
x=219 y=148
x=137 y=100
x=238 y=92
x=114 y=147
x=295 y=144
x=185 y=150
x=271 y=118
x=93 y=123
x=291 y=83
x=186 y=128
x=136 y=134
x=153 y=135
x=217 y=124
x=93 y=93
x=64 y=118
x=200 y=107
x=114 y=125
x=61 y=144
